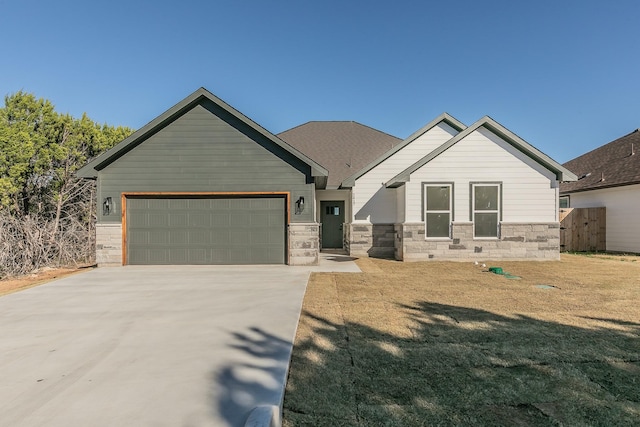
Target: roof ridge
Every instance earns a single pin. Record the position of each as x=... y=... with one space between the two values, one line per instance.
x=376 y=130
x=342 y=121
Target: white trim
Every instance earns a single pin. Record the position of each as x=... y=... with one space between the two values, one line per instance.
x=496 y=211
x=449 y=211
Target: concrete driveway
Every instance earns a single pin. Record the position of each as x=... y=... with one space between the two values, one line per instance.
x=150 y=346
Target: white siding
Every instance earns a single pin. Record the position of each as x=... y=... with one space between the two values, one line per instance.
x=374 y=203
x=529 y=191
x=623 y=214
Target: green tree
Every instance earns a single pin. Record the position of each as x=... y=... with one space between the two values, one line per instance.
x=46 y=211
x=26 y=127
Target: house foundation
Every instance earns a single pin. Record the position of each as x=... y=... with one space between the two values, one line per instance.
x=517 y=241
x=108 y=244
x=370 y=240
x=304 y=243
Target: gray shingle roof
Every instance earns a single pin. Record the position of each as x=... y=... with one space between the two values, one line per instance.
x=343 y=148
x=610 y=165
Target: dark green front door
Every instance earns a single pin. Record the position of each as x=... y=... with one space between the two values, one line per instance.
x=207 y=230
x=332 y=219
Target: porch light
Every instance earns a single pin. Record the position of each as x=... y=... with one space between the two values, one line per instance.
x=299 y=205
x=107 y=206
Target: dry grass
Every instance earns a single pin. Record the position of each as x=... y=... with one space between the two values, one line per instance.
x=442 y=343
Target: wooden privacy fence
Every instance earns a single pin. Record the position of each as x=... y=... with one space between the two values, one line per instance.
x=583 y=230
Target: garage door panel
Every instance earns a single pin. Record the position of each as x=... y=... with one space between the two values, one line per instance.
x=157 y=256
x=158 y=238
x=179 y=237
x=175 y=204
x=199 y=220
x=197 y=256
x=220 y=237
x=260 y=237
x=158 y=219
x=179 y=255
x=199 y=237
x=162 y=204
x=239 y=237
x=178 y=219
x=219 y=256
x=140 y=236
x=239 y=219
x=219 y=220
x=206 y=231
x=240 y=204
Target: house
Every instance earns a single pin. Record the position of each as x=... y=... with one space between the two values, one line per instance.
x=609 y=176
x=446 y=192
x=204 y=184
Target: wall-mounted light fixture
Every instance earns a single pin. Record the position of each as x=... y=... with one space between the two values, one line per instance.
x=299 y=205
x=107 y=206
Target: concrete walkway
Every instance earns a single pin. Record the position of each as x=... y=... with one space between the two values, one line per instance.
x=151 y=346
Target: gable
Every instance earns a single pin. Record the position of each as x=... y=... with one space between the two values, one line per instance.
x=484 y=155
x=407 y=155
x=199 y=146
x=504 y=135
x=225 y=113
x=421 y=142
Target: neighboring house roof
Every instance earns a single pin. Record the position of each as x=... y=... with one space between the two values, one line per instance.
x=611 y=165
x=444 y=117
x=341 y=146
x=90 y=170
x=562 y=173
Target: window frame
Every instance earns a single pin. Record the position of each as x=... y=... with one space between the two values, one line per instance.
x=472 y=208
x=450 y=211
x=567 y=198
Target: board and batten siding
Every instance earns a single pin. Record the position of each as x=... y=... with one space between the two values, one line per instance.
x=529 y=191
x=200 y=152
x=374 y=203
x=623 y=221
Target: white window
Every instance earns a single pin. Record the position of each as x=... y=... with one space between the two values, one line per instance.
x=485 y=205
x=438 y=207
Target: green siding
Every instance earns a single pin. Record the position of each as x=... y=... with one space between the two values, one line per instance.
x=205 y=150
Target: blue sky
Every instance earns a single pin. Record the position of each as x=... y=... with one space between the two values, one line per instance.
x=562 y=74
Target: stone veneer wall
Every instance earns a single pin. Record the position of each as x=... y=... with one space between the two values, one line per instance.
x=373 y=240
x=304 y=243
x=518 y=241
x=108 y=244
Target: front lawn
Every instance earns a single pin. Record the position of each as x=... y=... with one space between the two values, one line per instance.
x=447 y=343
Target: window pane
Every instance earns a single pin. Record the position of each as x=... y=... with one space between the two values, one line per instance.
x=437 y=224
x=486 y=197
x=438 y=198
x=486 y=224
x=564 y=202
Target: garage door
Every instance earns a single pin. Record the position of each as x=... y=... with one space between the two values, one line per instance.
x=209 y=230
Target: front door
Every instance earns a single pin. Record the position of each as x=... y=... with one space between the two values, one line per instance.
x=332 y=218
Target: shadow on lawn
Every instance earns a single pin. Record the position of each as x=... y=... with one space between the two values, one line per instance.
x=463 y=366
